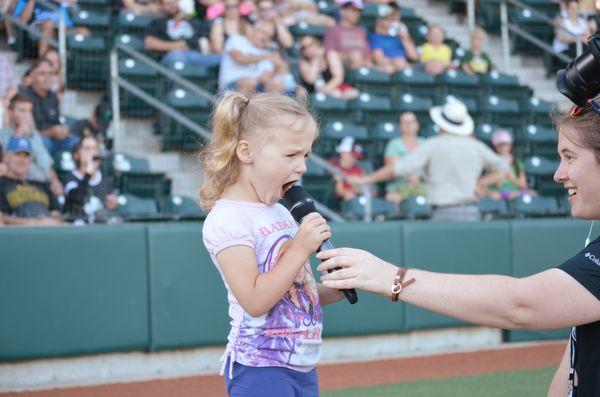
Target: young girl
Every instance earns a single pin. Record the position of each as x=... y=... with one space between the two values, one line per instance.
x=258 y=149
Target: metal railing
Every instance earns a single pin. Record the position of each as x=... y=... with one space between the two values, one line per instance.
x=507 y=27
x=117 y=83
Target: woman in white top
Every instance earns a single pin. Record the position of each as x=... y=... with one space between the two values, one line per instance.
x=575 y=24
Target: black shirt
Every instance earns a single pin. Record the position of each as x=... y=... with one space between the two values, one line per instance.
x=585 y=268
x=85 y=195
x=26 y=199
x=46 y=111
x=168 y=29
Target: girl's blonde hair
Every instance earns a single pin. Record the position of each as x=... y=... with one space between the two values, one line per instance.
x=237 y=116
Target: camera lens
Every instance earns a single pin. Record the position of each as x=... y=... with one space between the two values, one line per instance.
x=580 y=80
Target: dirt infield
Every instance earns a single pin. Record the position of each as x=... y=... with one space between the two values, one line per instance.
x=338 y=376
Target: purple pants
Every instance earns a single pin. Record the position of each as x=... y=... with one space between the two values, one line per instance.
x=271 y=382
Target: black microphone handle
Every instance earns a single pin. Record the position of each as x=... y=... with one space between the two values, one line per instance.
x=350 y=294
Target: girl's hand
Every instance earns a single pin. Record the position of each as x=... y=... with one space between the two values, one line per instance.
x=312 y=232
x=360 y=269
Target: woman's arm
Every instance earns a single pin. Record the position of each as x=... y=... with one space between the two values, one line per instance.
x=560 y=383
x=309 y=71
x=336 y=68
x=217 y=36
x=258 y=293
x=548 y=300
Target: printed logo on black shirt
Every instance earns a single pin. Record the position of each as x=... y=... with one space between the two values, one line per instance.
x=593 y=258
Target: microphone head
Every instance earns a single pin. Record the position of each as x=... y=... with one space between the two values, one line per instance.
x=299 y=202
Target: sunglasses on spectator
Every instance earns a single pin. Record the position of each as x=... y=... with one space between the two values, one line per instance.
x=577 y=110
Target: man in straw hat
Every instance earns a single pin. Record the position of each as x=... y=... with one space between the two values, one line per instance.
x=453 y=162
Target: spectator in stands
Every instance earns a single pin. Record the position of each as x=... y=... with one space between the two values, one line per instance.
x=391 y=45
x=97 y=124
x=89 y=195
x=476 y=60
x=58 y=85
x=8 y=86
x=322 y=71
x=296 y=11
x=576 y=25
x=412 y=184
x=180 y=39
x=267 y=13
x=348 y=39
x=248 y=65
x=347 y=162
x=46 y=110
x=24 y=202
x=7 y=7
x=512 y=183
x=453 y=162
x=231 y=23
x=436 y=55
x=45 y=19
x=26 y=78
x=150 y=7
x=22 y=125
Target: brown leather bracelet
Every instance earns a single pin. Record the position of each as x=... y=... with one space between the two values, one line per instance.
x=399 y=283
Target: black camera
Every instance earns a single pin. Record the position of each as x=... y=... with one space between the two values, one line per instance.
x=580 y=79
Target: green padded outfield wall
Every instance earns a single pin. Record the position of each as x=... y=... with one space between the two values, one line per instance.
x=468 y=248
x=539 y=245
x=188 y=299
x=72 y=290
x=372 y=313
x=68 y=291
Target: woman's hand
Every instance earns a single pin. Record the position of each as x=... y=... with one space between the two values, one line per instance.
x=360 y=269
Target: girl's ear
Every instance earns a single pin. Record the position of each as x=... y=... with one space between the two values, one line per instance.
x=243 y=151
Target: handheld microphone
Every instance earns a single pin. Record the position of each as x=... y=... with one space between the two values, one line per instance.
x=301 y=204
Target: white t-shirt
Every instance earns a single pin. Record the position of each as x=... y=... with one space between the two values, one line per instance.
x=289 y=335
x=230 y=72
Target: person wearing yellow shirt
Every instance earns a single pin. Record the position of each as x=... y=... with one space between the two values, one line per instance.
x=436 y=55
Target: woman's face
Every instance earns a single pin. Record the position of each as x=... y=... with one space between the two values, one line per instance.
x=310 y=47
x=573 y=9
x=54 y=60
x=88 y=150
x=503 y=149
x=579 y=172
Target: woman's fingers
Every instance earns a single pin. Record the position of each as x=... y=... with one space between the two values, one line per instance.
x=323 y=255
x=340 y=284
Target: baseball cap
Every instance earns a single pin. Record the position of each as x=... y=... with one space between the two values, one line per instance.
x=18 y=144
x=349 y=145
x=351 y=3
x=501 y=136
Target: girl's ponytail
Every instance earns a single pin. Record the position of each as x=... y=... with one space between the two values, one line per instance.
x=218 y=156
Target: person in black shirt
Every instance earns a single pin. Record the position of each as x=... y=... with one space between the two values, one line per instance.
x=184 y=40
x=568 y=295
x=96 y=125
x=89 y=194
x=24 y=202
x=46 y=110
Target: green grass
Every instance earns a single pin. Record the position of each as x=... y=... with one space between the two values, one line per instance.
x=528 y=383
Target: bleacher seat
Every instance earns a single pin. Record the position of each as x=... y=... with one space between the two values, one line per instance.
x=484 y=131
x=196 y=108
x=533 y=25
x=371 y=109
x=87 y=64
x=380 y=209
x=143 y=77
x=535 y=206
x=459 y=84
x=134 y=25
x=539 y=140
x=319 y=184
x=329 y=108
x=130 y=40
x=370 y=80
x=133 y=208
x=205 y=77
x=501 y=111
x=304 y=29
x=420 y=106
x=414 y=81
x=540 y=171
x=333 y=132
x=492 y=209
x=536 y=111
x=505 y=86
x=98 y=23
x=181 y=208
x=96 y=5
x=416 y=208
